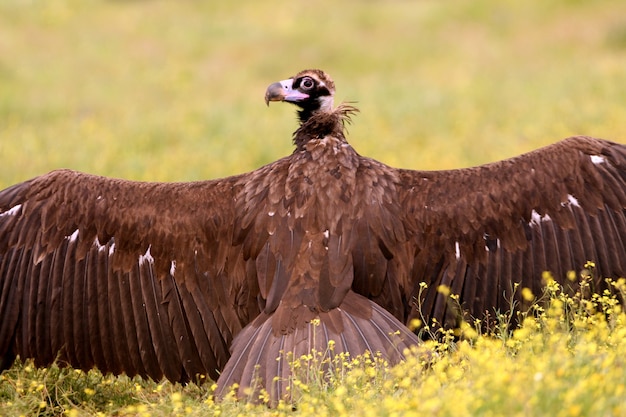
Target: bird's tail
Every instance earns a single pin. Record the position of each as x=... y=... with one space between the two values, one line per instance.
x=265 y=362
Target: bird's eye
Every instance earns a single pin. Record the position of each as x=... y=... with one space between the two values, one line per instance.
x=307 y=83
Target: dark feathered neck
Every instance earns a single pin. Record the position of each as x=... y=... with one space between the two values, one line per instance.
x=320 y=124
x=306 y=114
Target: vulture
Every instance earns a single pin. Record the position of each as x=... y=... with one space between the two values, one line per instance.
x=230 y=278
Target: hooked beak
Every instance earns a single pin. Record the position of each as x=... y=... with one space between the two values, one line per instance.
x=283 y=91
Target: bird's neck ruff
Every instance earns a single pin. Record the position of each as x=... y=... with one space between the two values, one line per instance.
x=324 y=123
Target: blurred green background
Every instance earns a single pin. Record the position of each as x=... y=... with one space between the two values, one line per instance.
x=157 y=90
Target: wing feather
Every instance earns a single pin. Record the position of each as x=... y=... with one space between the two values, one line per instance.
x=126 y=276
x=81 y=327
x=56 y=300
x=499 y=265
x=29 y=288
x=539 y=264
x=618 y=222
x=208 y=330
x=91 y=322
x=132 y=334
x=42 y=316
x=104 y=356
x=120 y=344
x=187 y=329
x=549 y=210
x=160 y=331
x=10 y=293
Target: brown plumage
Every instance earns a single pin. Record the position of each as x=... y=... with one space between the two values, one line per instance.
x=220 y=277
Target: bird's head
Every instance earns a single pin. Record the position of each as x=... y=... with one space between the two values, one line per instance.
x=312 y=90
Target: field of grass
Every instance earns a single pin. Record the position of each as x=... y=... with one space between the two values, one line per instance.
x=169 y=91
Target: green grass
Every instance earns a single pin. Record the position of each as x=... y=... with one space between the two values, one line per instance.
x=174 y=91
x=157 y=90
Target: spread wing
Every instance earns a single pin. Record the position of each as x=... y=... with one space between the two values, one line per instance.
x=480 y=231
x=141 y=278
